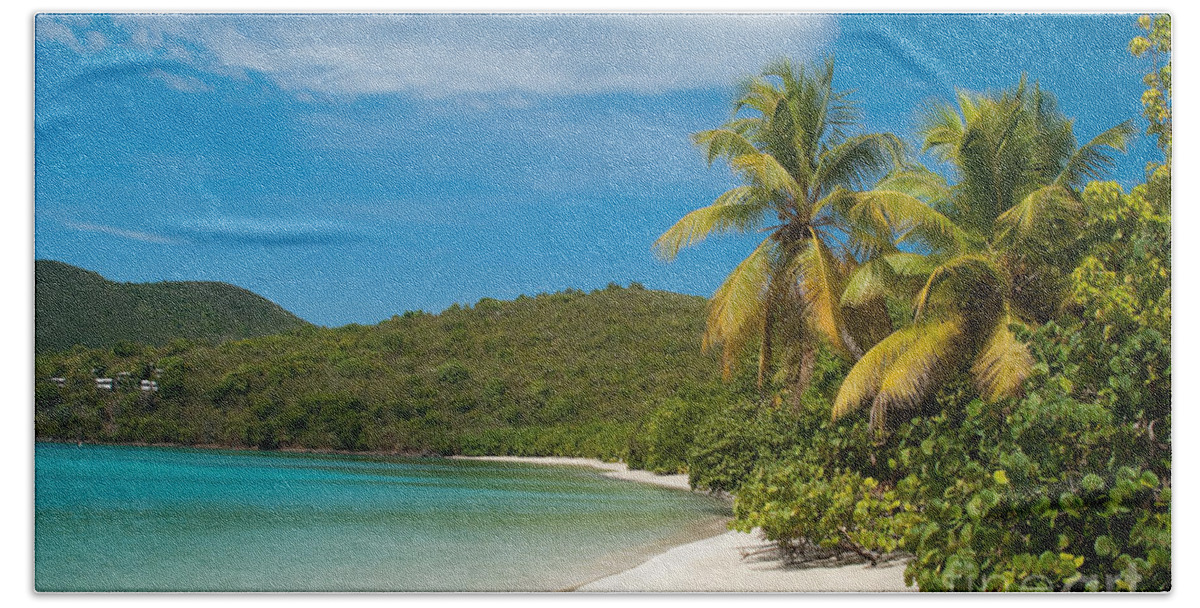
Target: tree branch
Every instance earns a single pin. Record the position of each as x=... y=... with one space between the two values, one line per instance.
x=871 y=556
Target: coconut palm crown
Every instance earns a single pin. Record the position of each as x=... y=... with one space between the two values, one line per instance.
x=802 y=178
x=1016 y=203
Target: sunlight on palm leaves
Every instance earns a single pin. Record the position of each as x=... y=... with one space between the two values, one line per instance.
x=738 y=304
x=821 y=279
x=898 y=370
x=1003 y=362
x=738 y=210
x=800 y=171
x=894 y=273
x=994 y=246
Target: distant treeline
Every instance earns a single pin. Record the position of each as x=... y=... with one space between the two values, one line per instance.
x=565 y=373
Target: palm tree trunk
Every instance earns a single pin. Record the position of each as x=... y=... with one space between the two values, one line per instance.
x=802 y=375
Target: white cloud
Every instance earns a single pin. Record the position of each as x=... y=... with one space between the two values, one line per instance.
x=266 y=231
x=52 y=30
x=96 y=41
x=136 y=235
x=447 y=54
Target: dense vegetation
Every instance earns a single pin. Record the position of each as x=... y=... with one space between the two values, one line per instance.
x=801 y=172
x=968 y=365
x=77 y=306
x=566 y=373
x=1013 y=430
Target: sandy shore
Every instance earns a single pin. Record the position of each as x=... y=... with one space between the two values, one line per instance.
x=616 y=470
x=740 y=562
x=732 y=561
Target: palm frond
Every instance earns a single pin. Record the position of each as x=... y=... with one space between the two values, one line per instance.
x=1054 y=139
x=910 y=219
x=766 y=172
x=866 y=236
x=723 y=143
x=736 y=309
x=738 y=210
x=911 y=265
x=871 y=280
x=744 y=126
x=891 y=274
x=784 y=139
x=855 y=161
x=1092 y=160
x=920 y=183
x=926 y=362
x=900 y=369
x=786 y=71
x=1045 y=215
x=1003 y=363
x=864 y=378
x=820 y=277
x=969 y=282
x=839 y=112
x=968 y=104
x=838 y=201
x=942 y=131
x=759 y=95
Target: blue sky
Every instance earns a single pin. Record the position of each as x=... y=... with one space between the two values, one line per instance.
x=353 y=167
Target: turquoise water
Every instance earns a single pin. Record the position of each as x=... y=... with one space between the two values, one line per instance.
x=114 y=518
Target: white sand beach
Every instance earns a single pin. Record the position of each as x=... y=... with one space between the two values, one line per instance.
x=616 y=470
x=740 y=562
x=732 y=561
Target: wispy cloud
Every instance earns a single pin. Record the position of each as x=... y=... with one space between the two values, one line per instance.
x=135 y=235
x=178 y=82
x=58 y=30
x=443 y=55
x=267 y=231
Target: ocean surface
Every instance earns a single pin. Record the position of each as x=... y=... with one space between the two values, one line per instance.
x=114 y=518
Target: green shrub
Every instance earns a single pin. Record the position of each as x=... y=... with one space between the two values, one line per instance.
x=662 y=442
x=1043 y=495
x=812 y=511
x=736 y=438
x=452 y=373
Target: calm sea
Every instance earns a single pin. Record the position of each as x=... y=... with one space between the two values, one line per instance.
x=165 y=519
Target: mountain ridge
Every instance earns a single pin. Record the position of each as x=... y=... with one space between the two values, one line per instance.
x=76 y=306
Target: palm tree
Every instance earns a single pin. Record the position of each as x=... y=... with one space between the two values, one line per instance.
x=802 y=176
x=1018 y=211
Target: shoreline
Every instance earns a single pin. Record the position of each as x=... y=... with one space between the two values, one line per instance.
x=731 y=561
x=725 y=561
x=737 y=562
x=615 y=470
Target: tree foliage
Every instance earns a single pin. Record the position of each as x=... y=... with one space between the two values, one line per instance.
x=1016 y=204
x=1042 y=459
x=565 y=373
x=803 y=175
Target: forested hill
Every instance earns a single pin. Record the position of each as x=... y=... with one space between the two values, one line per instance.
x=77 y=306
x=562 y=373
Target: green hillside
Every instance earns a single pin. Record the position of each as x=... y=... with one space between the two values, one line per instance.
x=77 y=306
x=564 y=373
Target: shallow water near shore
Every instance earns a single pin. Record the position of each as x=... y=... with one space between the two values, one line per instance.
x=116 y=518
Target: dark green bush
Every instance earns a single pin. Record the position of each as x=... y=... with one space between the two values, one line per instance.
x=453 y=372
x=812 y=511
x=1047 y=493
x=662 y=441
x=736 y=438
